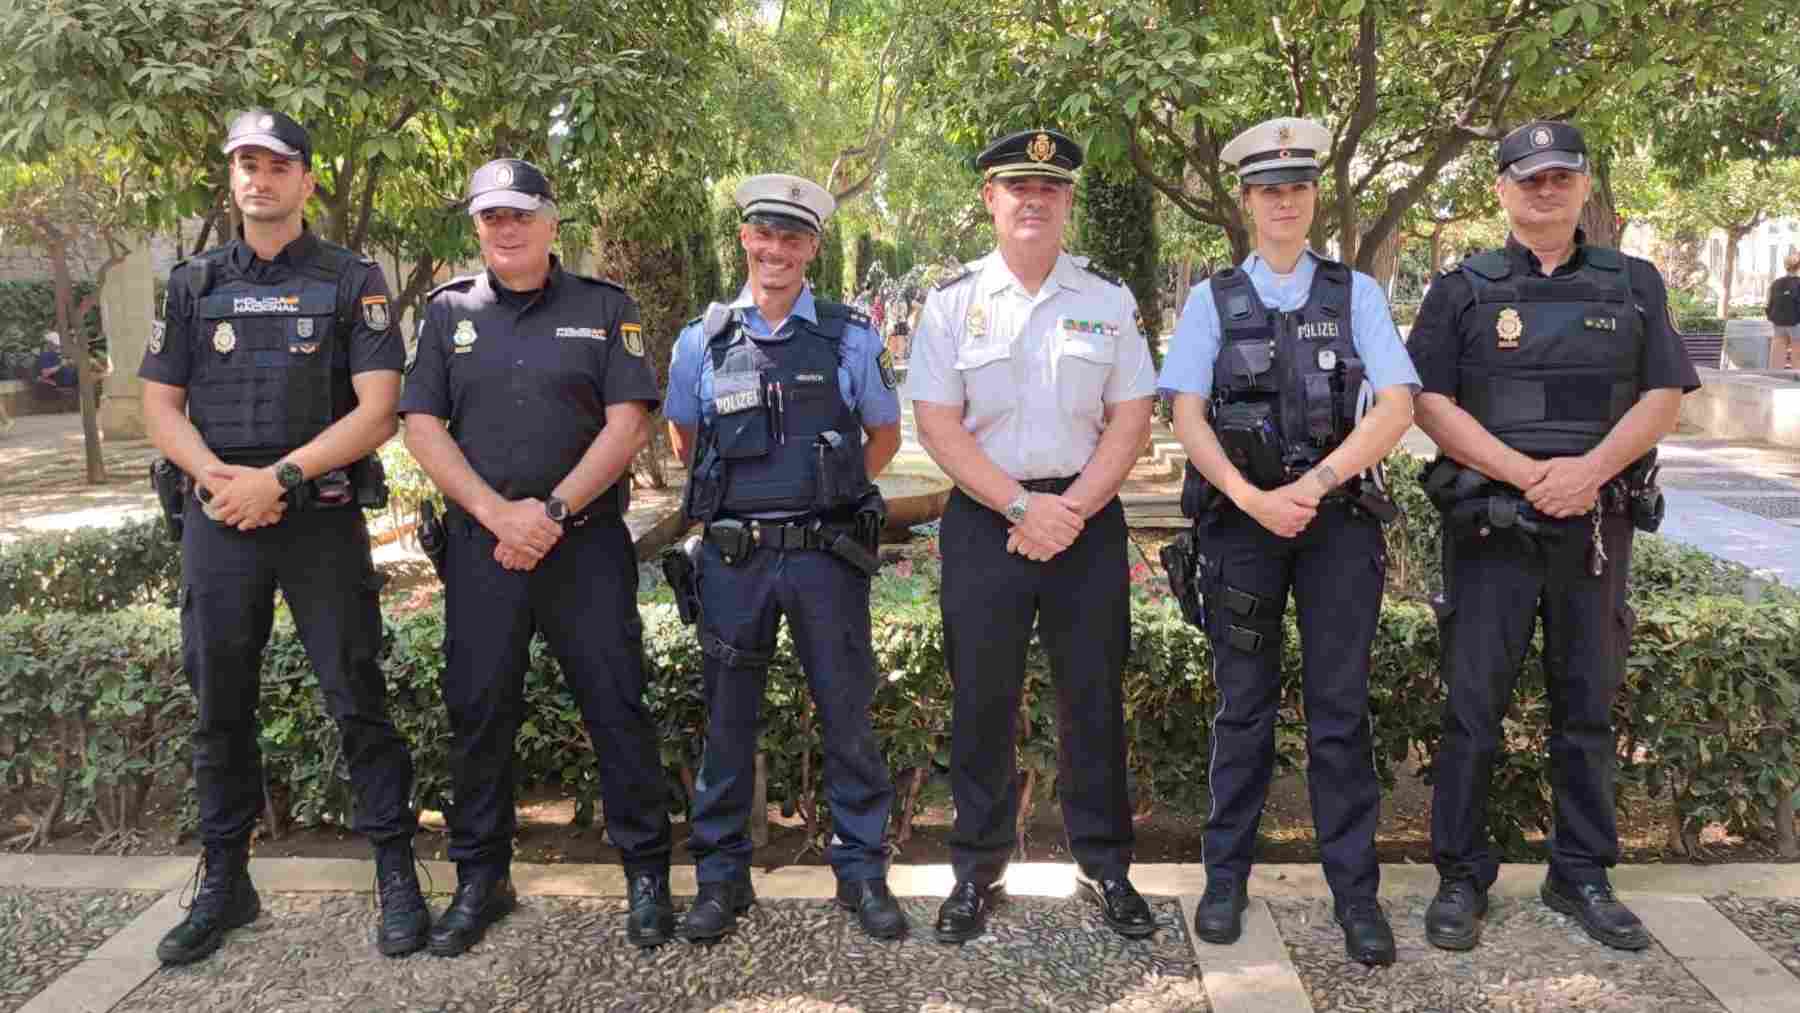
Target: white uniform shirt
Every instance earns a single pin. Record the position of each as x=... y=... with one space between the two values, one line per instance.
x=1033 y=374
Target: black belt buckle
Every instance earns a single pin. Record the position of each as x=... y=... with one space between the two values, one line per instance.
x=732 y=538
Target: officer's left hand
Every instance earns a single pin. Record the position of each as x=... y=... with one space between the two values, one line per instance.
x=513 y=559
x=244 y=498
x=1569 y=487
x=1022 y=544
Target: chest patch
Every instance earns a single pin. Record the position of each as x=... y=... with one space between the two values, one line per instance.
x=1509 y=328
x=737 y=392
x=1602 y=323
x=1319 y=330
x=592 y=333
x=247 y=304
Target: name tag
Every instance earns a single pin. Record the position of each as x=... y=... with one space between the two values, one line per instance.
x=594 y=333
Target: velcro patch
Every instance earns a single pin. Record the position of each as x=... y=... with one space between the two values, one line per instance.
x=375 y=312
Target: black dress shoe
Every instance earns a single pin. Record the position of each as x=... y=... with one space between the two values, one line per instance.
x=650 y=919
x=1368 y=939
x=405 y=920
x=1598 y=911
x=483 y=897
x=964 y=913
x=1219 y=918
x=876 y=909
x=224 y=899
x=1123 y=908
x=715 y=910
x=1453 y=921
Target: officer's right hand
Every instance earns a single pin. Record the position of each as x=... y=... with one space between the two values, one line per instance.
x=1286 y=511
x=1051 y=521
x=514 y=559
x=523 y=526
x=1526 y=472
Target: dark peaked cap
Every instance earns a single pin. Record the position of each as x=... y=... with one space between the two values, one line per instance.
x=1046 y=153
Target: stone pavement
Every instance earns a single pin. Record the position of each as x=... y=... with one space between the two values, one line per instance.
x=78 y=933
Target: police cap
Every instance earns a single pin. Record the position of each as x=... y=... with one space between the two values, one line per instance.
x=266 y=128
x=784 y=201
x=1286 y=149
x=1044 y=153
x=1541 y=145
x=508 y=183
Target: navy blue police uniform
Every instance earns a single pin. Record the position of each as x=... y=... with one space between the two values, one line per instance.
x=1548 y=365
x=266 y=350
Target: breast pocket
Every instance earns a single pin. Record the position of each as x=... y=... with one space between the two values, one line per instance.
x=989 y=384
x=1084 y=362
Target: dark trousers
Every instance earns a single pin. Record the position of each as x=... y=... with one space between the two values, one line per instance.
x=826 y=602
x=583 y=598
x=1080 y=602
x=320 y=561
x=1335 y=570
x=1495 y=590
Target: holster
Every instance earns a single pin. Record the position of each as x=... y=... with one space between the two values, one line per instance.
x=732 y=538
x=1364 y=496
x=171 y=486
x=680 y=567
x=1645 y=496
x=1484 y=515
x=847 y=548
x=434 y=536
x=1179 y=562
x=1448 y=483
x=368 y=477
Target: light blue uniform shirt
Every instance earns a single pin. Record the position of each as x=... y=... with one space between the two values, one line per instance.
x=1188 y=366
x=690 y=397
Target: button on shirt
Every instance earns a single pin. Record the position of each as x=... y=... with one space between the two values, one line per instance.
x=1033 y=373
x=523 y=378
x=690 y=399
x=1188 y=367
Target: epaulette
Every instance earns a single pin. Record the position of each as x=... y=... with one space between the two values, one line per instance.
x=591 y=280
x=463 y=283
x=1604 y=257
x=940 y=286
x=1491 y=264
x=1110 y=279
x=712 y=321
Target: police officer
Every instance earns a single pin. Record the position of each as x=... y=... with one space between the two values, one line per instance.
x=1551 y=370
x=1272 y=366
x=270 y=381
x=784 y=406
x=528 y=397
x=1031 y=388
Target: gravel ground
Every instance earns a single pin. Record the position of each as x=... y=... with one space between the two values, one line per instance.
x=314 y=952
x=1531 y=960
x=43 y=933
x=1773 y=924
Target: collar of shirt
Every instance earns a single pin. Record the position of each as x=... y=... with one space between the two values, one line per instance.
x=805 y=307
x=296 y=252
x=1522 y=253
x=1283 y=294
x=996 y=277
x=490 y=286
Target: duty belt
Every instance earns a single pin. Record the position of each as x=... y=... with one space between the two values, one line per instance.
x=736 y=539
x=1053 y=486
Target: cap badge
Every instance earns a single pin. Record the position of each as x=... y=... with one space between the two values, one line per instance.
x=1283 y=135
x=464 y=338
x=1041 y=148
x=503 y=175
x=1541 y=137
x=303 y=327
x=795 y=193
x=1510 y=328
x=224 y=338
x=266 y=123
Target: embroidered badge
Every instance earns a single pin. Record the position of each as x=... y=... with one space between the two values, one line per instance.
x=303 y=327
x=632 y=335
x=464 y=338
x=157 y=328
x=1541 y=137
x=1041 y=148
x=975 y=322
x=375 y=312
x=224 y=338
x=1510 y=328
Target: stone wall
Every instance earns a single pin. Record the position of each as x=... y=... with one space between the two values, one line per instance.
x=28 y=263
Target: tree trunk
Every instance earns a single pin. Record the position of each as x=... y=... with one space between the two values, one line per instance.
x=1386 y=262
x=1599 y=216
x=1436 y=263
x=1732 y=236
x=1784 y=824
x=76 y=344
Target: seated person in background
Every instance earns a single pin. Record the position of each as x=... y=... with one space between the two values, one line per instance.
x=51 y=369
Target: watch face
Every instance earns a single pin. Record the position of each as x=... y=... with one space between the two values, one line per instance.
x=289 y=475
x=556 y=509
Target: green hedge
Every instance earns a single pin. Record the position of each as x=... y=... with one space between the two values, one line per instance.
x=91 y=569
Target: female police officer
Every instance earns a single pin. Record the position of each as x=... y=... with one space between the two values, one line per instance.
x=1268 y=366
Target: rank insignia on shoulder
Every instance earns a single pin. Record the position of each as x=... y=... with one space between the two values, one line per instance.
x=1602 y=323
x=1510 y=328
x=375 y=312
x=885 y=361
x=224 y=338
x=465 y=336
x=632 y=335
x=157 y=329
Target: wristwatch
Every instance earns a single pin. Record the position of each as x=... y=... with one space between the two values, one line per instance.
x=556 y=509
x=1015 y=511
x=289 y=475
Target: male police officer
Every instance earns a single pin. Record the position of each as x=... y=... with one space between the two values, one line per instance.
x=527 y=399
x=784 y=405
x=271 y=379
x=1031 y=386
x=1270 y=366
x=1550 y=368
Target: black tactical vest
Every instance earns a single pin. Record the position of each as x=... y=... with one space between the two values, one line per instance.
x=781 y=440
x=1550 y=365
x=1302 y=364
x=271 y=360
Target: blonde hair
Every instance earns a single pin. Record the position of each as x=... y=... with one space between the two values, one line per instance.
x=1792 y=263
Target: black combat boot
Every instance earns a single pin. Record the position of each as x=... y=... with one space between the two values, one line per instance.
x=650 y=914
x=484 y=895
x=405 y=920
x=223 y=899
x=715 y=910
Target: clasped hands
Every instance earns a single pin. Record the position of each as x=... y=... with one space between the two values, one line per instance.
x=526 y=533
x=243 y=498
x=1561 y=486
x=1052 y=523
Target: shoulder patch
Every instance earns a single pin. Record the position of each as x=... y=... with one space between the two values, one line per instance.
x=940 y=286
x=462 y=284
x=1109 y=278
